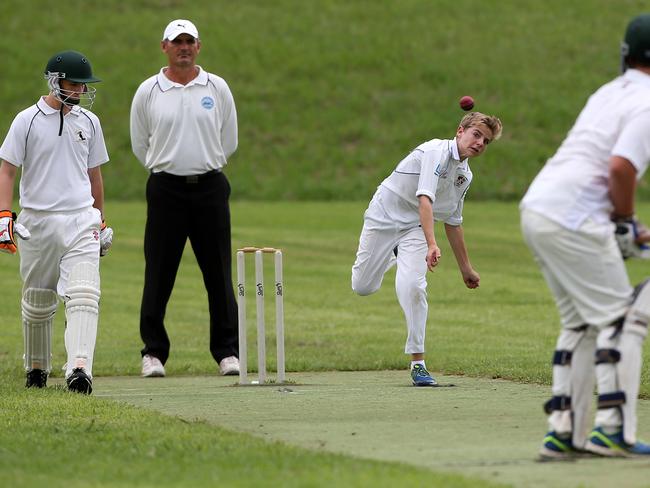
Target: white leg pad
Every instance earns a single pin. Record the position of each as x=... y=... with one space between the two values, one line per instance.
x=583 y=382
x=628 y=371
x=620 y=378
x=622 y=374
x=82 y=313
x=573 y=378
x=38 y=307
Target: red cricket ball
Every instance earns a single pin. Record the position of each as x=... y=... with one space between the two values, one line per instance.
x=466 y=103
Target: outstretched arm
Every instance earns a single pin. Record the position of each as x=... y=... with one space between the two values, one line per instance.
x=456 y=240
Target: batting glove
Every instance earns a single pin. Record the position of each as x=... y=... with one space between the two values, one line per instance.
x=7 y=229
x=105 y=239
x=7 y=242
x=627 y=233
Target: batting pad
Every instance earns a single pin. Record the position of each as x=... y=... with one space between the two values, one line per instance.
x=574 y=379
x=583 y=381
x=82 y=312
x=619 y=369
x=38 y=307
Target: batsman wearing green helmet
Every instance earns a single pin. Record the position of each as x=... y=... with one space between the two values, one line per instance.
x=58 y=147
x=578 y=219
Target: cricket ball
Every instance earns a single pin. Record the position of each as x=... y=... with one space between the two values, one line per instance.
x=466 y=103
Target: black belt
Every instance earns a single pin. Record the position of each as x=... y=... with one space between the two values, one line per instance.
x=188 y=178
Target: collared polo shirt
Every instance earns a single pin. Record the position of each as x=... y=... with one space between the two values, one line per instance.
x=433 y=169
x=183 y=129
x=573 y=185
x=54 y=167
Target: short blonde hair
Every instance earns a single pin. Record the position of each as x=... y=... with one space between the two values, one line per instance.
x=490 y=121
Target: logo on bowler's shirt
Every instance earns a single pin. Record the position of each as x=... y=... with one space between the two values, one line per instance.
x=207 y=102
x=80 y=136
x=95 y=235
x=441 y=172
x=460 y=181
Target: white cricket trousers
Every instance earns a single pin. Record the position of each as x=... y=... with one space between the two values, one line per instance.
x=589 y=281
x=59 y=241
x=583 y=269
x=385 y=228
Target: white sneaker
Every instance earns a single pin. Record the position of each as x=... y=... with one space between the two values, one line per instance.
x=151 y=367
x=229 y=366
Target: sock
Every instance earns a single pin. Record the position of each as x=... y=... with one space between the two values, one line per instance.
x=611 y=430
x=420 y=362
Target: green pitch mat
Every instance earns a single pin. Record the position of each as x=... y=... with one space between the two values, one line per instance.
x=486 y=428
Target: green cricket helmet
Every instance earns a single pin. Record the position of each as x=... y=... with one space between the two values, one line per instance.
x=636 y=43
x=74 y=67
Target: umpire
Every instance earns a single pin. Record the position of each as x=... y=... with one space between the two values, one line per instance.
x=183 y=129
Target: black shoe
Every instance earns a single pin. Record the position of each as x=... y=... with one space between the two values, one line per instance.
x=36 y=378
x=79 y=381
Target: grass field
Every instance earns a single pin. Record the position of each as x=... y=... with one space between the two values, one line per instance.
x=505 y=329
x=332 y=93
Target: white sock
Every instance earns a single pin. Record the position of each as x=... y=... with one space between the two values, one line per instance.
x=420 y=362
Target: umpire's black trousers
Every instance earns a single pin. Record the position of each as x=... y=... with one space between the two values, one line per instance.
x=179 y=207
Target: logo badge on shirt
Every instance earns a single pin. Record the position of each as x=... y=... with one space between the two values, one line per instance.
x=441 y=172
x=460 y=181
x=207 y=103
x=81 y=137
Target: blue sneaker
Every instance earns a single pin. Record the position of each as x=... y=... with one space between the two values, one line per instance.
x=421 y=376
x=613 y=445
x=556 y=448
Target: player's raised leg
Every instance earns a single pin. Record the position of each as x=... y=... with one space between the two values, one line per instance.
x=375 y=253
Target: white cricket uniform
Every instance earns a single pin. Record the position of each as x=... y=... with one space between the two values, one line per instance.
x=173 y=125
x=588 y=278
x=565 y=219
x=392 y=221
x=55 y=194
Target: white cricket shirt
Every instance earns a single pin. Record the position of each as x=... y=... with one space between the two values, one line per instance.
x=433 y=169
x=54 y=167
x=183 y=129
x=573 y=184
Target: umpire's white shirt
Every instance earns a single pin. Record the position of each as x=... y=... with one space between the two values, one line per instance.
x=54 y=167
x=183 y=129
x=573 y=185
x=433 y=169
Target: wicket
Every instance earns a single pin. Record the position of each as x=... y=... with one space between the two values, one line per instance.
x=261 y=327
